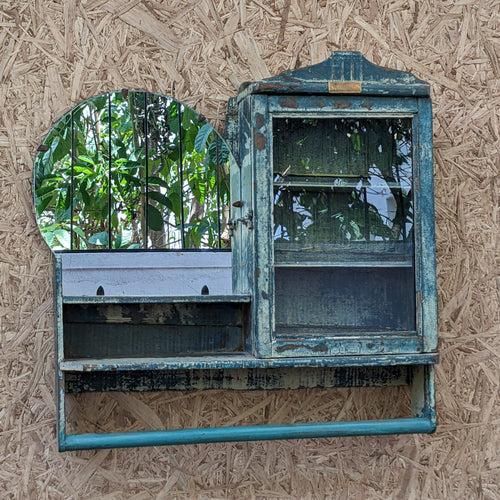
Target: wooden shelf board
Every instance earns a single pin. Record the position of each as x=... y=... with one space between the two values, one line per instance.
x=242 y=362
x=152 y=299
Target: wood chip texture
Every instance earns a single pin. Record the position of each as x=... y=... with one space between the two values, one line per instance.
x=56 y=53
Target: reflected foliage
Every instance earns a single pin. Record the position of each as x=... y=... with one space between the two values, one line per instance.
x=129 y=170
x=342 y=180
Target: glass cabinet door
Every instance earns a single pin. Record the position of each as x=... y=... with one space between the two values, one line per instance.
x=343 y=226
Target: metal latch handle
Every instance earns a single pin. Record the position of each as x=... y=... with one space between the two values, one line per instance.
x=247 y=219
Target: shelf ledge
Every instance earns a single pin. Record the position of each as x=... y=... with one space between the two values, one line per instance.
x=154 y=299
x=242 y=362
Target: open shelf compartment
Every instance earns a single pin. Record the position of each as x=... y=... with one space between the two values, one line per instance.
x=147 y=327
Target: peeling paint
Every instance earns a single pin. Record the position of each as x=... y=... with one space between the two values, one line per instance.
x=259 y=120
x=321 y=347
x=343 y=68
x=289 y=102
x=238 y=379
x=311 y=359
x=343 y=105
x=260 y=141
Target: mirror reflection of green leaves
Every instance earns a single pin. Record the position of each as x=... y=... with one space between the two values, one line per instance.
x=342 y=180
x=99 y=184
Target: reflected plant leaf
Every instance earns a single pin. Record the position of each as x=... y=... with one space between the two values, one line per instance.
x=91 y=178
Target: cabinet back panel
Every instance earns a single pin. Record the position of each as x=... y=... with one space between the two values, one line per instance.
x=344 y=300
x=153 y=330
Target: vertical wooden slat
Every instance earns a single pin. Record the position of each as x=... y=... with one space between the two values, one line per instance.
x=261 y=150
x=59 y=349
x=424 y=213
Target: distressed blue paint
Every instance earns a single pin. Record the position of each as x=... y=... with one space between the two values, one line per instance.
x=423 y=421
x=59 y=337
x=238 y=379
x=244 y=362
x=388 y=343
x=73 y=442
x=263 y=311
x=305 y=93
x=263 y=282
x=423 y=155
x=322 y=106
x=58 y=306
x=172 y=299
x=423 y=403
x=340 y=67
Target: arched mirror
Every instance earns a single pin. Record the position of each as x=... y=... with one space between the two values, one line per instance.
x=132 y=170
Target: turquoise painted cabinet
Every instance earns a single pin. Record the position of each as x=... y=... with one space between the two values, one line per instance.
x=337 y=167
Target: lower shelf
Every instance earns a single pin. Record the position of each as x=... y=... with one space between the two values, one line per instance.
x=103 y=327
x=242 y=361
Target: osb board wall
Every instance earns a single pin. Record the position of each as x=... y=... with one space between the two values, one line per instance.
x=54 y=54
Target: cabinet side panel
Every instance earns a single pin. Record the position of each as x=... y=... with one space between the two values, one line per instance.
x=425 y=189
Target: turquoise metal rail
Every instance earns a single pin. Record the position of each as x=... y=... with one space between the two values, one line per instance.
x=73 y=442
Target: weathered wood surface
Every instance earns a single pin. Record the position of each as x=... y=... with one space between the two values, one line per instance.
x=237 y=379
x=344 y=301
x=235 y=361
x=333 y=75
x=153 y=330
x=272 y=306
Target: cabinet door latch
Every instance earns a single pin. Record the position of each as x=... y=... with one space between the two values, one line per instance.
x=247 y=220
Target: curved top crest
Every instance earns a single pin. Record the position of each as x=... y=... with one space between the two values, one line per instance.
x=334 y=75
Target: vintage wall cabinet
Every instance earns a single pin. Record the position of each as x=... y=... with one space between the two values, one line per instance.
x=336 y=171
x=333 y=266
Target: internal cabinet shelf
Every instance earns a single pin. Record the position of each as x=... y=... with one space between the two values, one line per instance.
x=325 y=263
x=335 y=183
x=370 y=254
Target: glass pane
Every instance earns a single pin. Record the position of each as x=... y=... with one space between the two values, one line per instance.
x=319 y=215
x=342 y=182
x=52 y=186
x=343 y=226
x=127 y=170
x=205 y=166
x=342 y=147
